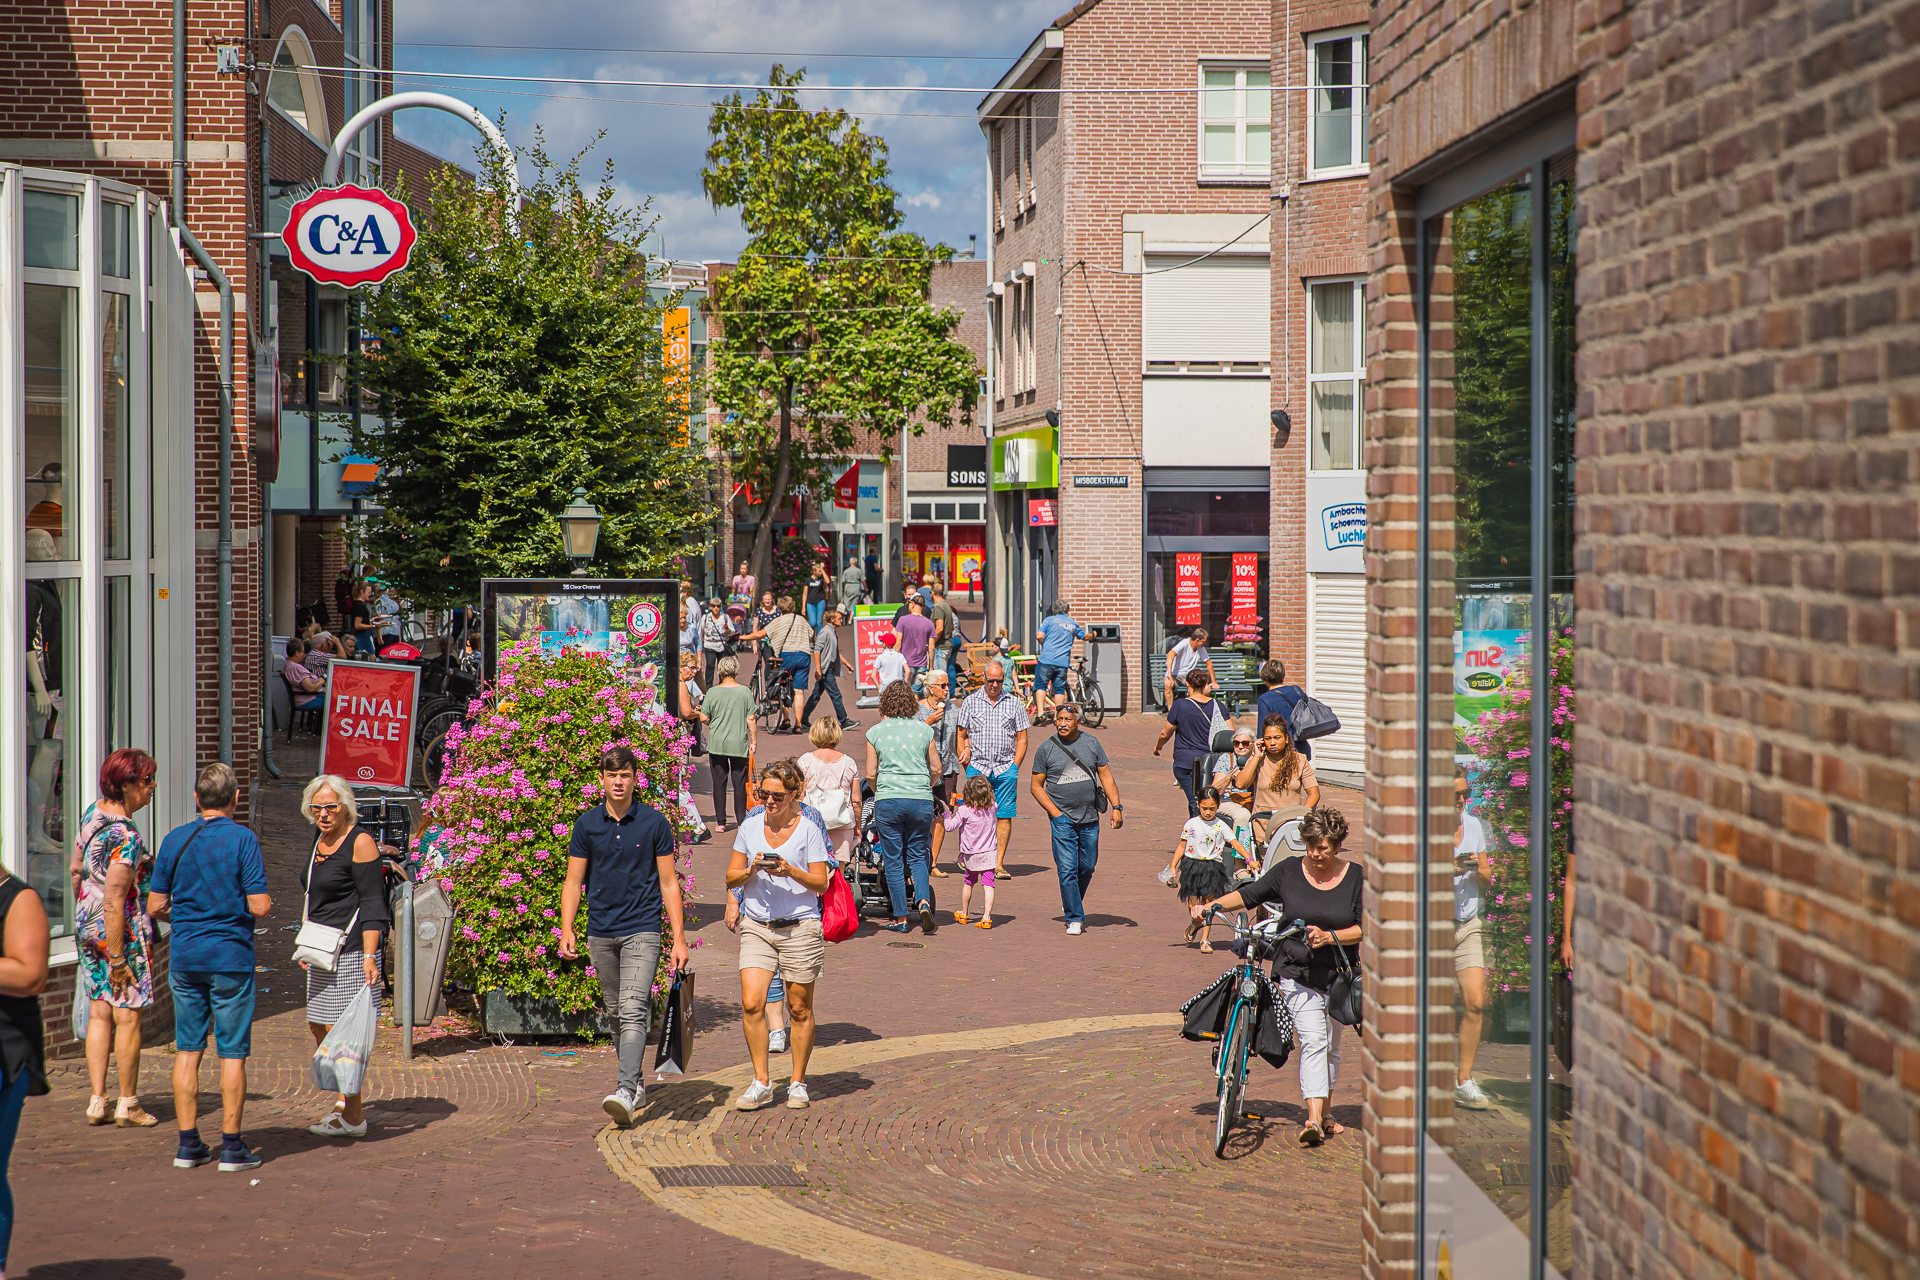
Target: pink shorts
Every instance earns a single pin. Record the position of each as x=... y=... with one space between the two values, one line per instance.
x=980 y=877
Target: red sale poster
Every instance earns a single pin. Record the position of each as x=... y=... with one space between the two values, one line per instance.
x=369 y=714
x=1186 y=589
x=871 y=621
x=1246 y=586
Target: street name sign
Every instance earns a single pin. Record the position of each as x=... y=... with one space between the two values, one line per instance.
x=349 y=235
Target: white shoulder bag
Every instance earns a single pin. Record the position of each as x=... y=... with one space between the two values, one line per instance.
x=319 y=944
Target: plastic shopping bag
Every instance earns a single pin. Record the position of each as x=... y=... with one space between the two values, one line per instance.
x=676 y=1028
x=82 y=1007
x=340 y=1063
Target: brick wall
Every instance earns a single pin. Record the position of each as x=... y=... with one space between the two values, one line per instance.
x=1749 y=596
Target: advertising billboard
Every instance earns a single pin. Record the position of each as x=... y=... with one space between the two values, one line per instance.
x=634 y=620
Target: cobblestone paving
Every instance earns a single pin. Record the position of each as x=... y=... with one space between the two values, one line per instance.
x=482 y=1159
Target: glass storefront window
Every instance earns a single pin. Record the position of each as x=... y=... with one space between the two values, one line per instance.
x=1229 y=629
x=1498 y=315
x=119 y=663
x=53 y=710
x=1196 y=513
x=52 y=419
x=116 y=412
x=52 y=231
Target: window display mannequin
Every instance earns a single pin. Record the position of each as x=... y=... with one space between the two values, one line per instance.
x=46 y=728
x=48 y=515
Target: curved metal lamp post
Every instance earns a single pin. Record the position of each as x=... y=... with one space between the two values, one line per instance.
x=440 y=102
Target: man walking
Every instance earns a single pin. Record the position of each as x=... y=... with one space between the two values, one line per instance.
x=946 y=630
x=1056 y=635
x=991 y=738
x=621 y=854
x=827 y=662
x=210 y=879
x=1070 y=778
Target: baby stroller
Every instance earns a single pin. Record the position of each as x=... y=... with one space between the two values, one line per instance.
x=865 y=874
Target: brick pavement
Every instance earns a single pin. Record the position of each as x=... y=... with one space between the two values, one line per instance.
x=483 y=1158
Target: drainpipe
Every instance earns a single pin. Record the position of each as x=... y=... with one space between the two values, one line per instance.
x=224 y=555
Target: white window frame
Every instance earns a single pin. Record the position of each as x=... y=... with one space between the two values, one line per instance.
x=1239 y=169
x=1357 y=37
x=364 y=85
x=1357 y=378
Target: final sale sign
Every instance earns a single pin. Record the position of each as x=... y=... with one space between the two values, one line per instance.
x=369 y=714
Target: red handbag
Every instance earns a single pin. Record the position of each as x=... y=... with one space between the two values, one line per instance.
x=839 y=913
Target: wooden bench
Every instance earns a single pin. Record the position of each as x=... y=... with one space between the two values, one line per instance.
x=1236 y=675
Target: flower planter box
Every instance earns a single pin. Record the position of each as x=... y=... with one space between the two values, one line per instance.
x=506 y=1014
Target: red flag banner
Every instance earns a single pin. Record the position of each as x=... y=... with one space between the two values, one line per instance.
x=846 y=490
x=369 y=713
x=1186 y=589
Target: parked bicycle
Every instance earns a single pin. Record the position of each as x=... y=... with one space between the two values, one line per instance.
x=1236 y=1036
x=1084 y=692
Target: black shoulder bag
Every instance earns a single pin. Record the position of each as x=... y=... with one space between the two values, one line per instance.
x=1343 y=993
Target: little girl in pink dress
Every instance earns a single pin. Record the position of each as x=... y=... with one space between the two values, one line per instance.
x=974 y=819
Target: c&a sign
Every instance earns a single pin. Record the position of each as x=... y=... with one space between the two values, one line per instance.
x=349 y=235
x=369 y=711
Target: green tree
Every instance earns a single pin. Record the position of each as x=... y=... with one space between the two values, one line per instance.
x=826 y=335
x=519 y=355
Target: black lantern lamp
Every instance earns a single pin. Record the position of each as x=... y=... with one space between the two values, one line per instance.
x=580 y=531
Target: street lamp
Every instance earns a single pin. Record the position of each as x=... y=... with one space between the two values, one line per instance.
x=580 y=531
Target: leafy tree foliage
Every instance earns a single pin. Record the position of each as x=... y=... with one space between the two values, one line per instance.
x=519 y=355
x=826 y=338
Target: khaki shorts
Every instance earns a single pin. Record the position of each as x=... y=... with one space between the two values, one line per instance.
x=1467 y=951
x=797 y=953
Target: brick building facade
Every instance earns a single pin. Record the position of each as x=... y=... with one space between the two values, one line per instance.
x=1642 y=298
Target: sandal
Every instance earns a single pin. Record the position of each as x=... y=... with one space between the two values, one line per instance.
x=942 y=874
x=1310 y=1135
x=984 y=922
x=97 y=1110
x=959 y=917
x=1193 y=931
x=129 y=1114
x=1206 y=948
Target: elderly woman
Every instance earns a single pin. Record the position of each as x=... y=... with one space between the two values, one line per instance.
x=111 y=869
x=937 y=712
x=902 y=763
x=344 y=891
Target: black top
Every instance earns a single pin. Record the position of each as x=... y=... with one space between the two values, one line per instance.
x=22 y=1042
x=1192 y=721
x=340 y=886
x=1330 y=909
x=623 y=869
x=362 y=612
x=816 y=590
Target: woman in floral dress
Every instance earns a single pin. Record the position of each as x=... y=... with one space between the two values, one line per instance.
x=112 y=867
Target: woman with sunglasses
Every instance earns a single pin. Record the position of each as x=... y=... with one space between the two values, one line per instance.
x=781 y=862
x=345 y=891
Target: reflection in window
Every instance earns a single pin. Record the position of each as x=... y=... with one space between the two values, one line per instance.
x=53 y=355
x=52 y=712
x=116 y=410
x=1482 y=282
x=1196 y=513
x=119 y=663
x=116 y=240
x=1338 y=102
x=52 y=230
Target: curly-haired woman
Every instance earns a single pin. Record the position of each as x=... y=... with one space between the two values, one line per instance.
x=112 y=868
x=902 y=762
x=1279 y=776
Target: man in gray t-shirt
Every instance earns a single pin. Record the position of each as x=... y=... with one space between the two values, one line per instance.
x=826 y=665
x=1069 y=774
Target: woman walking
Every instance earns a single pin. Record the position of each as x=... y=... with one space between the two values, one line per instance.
x=1323 y=889
x=1279 y=776
x=727 y=711
x=345 y=892
x=111 y=870
x=690 y=700
x=716 y=636
x=781 y=861
x=832 y=786
x=818 y=586
x=23 y=976
x=902 y=764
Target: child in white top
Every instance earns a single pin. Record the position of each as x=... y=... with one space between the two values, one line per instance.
x=1200 y=862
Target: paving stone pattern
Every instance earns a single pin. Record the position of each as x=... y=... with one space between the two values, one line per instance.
x=482 y=1158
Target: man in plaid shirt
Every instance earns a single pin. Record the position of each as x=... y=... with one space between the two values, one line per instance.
x=991 y=741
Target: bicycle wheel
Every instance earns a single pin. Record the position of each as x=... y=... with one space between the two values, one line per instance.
x=1093 y=708
x=1233 y=1075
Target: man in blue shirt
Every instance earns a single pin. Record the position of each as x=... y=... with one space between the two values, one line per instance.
x=209 y=876
x=1056 y=635
x=1279 y=700
x=621 y=855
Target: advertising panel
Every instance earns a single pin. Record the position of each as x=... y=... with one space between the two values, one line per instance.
x=870 y=622
x=1186 y=589
x=1245 y=588
x=368 y=739
x=1043 y=513
x=676 y=326
x=1482 y=661
x=1336 y=523
x=634 y=620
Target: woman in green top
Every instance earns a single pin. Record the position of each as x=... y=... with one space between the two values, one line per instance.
x=727 y=711
x=902 y=763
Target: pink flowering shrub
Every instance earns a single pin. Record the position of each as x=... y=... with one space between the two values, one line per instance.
x=524 y=765
x=1502 y=739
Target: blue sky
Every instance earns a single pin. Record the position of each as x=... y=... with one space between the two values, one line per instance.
x=935 y=148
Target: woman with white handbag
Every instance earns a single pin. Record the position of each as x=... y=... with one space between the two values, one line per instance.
x=339 y=939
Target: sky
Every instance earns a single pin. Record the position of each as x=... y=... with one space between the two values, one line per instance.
x=935 y=148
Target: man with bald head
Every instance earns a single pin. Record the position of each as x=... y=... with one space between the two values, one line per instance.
x=991 y=741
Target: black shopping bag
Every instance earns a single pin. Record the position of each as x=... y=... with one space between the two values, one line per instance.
x=1563 y=1017
x=676 y=1028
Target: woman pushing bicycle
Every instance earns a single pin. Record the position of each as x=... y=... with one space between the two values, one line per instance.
x=1322 y=889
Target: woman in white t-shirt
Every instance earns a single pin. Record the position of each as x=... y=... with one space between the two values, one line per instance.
x=781 y=861
x=833 y=785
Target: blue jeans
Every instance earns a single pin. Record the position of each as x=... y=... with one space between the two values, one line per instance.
x=905 y=828
x=816 y=614
x=829 y=686
x=1076 y=849
x=13 y=1100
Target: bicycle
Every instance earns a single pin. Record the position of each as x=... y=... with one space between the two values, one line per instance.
x=1084 y=692
x=1236 y=1037
x=774 y=705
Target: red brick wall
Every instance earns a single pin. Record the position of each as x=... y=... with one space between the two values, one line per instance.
x=1749 y=596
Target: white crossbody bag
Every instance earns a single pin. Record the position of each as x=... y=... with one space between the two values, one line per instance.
x=319 y=944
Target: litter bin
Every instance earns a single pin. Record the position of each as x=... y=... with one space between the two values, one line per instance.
x=1107 y=663
x=432 y=941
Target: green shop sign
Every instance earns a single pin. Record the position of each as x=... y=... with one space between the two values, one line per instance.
x=1027 y=460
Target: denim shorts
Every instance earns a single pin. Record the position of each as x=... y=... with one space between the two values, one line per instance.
x=224 y=1000
x=1048 y=678
x=1006 y=790
x=800 y=666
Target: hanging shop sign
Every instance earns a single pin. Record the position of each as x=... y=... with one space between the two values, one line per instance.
x=1246 y=586
x=369 y=714
x=1186 y=589
x=349 y=235
x=1043 y=513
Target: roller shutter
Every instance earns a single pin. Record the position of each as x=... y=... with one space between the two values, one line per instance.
x=1337 y=665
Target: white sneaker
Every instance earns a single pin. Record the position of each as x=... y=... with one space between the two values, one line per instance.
x=336 y=1126
x=797 y=1096
x=1471 y=1096
x=1075 y=927
x=758 y=1095
x=777 y=1041
x=622 y=1103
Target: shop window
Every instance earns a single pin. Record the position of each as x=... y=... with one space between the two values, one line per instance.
x=1337 y=104
x=53 y=230
x=920 y=511
x=1236 y=114
x=1335 y=369
x=1196 y=513
x=52 y=421
x=943 y=512
x=1498 y=305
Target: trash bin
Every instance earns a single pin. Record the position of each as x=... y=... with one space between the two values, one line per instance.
x=432 y=942
x=1107 y=663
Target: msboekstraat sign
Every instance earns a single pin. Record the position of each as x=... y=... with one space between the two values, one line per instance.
x=349 y=235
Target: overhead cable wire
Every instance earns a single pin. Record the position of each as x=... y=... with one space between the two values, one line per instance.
x=704 y=106
x=811 y=88
x=713 y=53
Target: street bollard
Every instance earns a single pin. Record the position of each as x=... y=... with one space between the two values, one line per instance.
x=403 y=998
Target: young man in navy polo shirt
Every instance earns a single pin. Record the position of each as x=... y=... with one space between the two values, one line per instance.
x=621 y=854
x=1279 y=700
x=210 y=878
